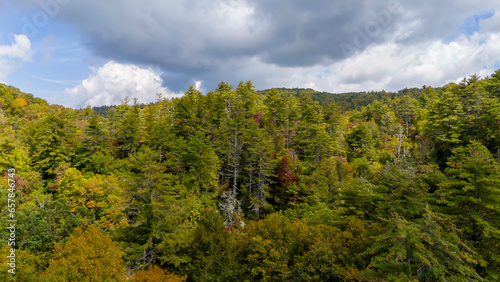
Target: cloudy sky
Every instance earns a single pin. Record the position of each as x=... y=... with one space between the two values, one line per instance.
x=79 y=52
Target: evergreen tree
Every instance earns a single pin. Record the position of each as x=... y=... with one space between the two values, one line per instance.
x=212 y=250
x=429 y=251
x=51 y=148
x=471 y=198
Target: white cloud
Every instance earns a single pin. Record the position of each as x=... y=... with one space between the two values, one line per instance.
x=197 y=85
x=113 y=82
x=492 y=24
x=390 y=66
x=19 y=49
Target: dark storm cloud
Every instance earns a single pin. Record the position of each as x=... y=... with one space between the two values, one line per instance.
x=310 y=33
x=195 y=39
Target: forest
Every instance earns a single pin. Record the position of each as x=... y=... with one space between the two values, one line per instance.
x=244 y=185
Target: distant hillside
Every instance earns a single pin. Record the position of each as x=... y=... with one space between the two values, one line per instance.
x=347 y=101
x=103 y=110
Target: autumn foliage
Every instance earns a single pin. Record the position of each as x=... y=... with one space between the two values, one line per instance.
x=88 y=255
x=244 y=185
x=156 y=274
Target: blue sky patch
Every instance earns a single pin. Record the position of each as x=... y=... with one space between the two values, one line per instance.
x=471 y=24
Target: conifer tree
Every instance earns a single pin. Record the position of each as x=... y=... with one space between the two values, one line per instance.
x=429 y=251
x=471 y=198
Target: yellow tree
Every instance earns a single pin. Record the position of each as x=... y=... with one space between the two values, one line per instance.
x=88 y=255
x=27 y=265
x=101 y=194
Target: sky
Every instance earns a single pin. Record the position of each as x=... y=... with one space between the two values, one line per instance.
x=93 y=52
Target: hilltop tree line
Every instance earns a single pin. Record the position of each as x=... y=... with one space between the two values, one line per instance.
x=237 y=184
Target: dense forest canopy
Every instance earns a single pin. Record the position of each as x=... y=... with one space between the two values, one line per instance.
x=239 y=184
x=344 y=101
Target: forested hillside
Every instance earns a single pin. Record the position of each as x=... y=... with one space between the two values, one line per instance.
x=347 y=101
x=240 y=185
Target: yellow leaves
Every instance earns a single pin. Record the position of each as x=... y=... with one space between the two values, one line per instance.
x=352 y=274
x=271 y=244
x=98 y=192
x=71 y=186
x=19 y=103
x=91 y=204
x=27 y=265
x=88 y=255
x=156 y=274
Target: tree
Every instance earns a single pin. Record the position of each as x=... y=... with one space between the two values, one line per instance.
x=268 y=248
x=241 y=105
x=161 y=136
x=335 y=254
x=200 y=167
x=311 y=142
x=190 y=113
x=471 y=198
x=126 y=122
x=429 y=251
x=358 y=200
x=12 y=151
x=212 y=250
x=362 y=141
x=88 y=255
x=258 y=166
x=445 y=123
x=160 y=211
x=286 y=180
x=406 y=110
x=95 y=141
x=276 y=119
x=402 y=193
x=28 y=265
x=51 y=148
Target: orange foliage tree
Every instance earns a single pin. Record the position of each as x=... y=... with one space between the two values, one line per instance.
x=156 y=274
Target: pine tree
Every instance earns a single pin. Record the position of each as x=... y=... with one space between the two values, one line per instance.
x=471 y=198
x=190 y=113
x=126 y=122
x=431 y=251
x=51 y=149
x=212 y=250
x=241 y=108
x=445 y=123
x=201 y=168
x=362 y=141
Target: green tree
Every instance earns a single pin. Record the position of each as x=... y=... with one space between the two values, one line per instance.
x=126 y=122
x=51 y=147
x=269 y=248
x=201 y=167
x=212 y=250
x=444 y=123
x=96 y=142
x=471 y=198
x=362 y=141
x=190 y=113
x=428 y=251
